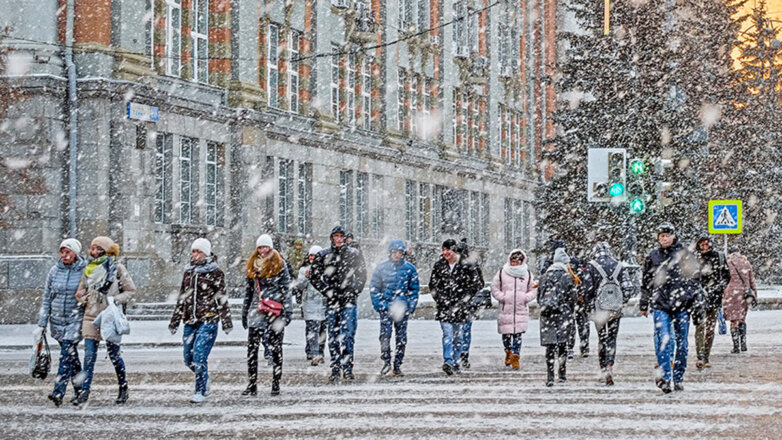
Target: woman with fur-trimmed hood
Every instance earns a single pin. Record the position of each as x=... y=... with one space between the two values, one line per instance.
x=267 y=308
x=103 y=277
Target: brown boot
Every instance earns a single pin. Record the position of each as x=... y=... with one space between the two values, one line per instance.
x=514 y=361
x=508 y=355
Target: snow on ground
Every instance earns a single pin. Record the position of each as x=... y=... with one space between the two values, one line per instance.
x=739 y=397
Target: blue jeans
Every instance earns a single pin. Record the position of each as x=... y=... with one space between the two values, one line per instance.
x=386 y=325
x=315 y=332
x=452 y=342
x=512 y=342
x=466 y=338
x=341 y=322
x=68 y=369
x=198 y=340
x=670 y=341
x=91 y=354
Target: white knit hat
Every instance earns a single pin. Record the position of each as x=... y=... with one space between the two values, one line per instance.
x=202 y=245
x=264 y=240
x=314 y=249
x=72 y=244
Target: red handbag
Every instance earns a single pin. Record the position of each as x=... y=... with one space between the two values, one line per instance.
x=267 y=306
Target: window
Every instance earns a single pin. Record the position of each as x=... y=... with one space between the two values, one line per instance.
x=211 y=183
x=351 y=89
x=335 y=83
x=149 y=31
x=463 y=122
x=293 y=71
x=472 y=29
x=378 y=196
x=346 y=199
x=527 y=230
x=460 y=29
x=200 y=36
x=427 y=96
x=485 y=220
x=414 y=106
x=424 y=212
x=468 y=106
x=164 y=145
x=285 y=195
x=423 y=15
x=173 y=37
x=366 y=94
x=474 y=127
x=406 y=14
x=505 y=43
x=454 y=119
x=305 y=198
x=513 y=224
x=362 y=206
x=411 y=198
x=185 y=180
x=271 y=63
x=400 y=92
x=517 y=139
x=437 y=206
x=475 y=217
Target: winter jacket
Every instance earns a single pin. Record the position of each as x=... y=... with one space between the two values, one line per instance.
x=591 y=279
x=514 y=295
x=671 y=279
x=394 y=281
x=734 y=304
x=122 y=289
x=275 y=287
x=557 y=324
x=59 y=307
x=452 y=291
x=339 y=273
x=312 y=306
x=715 y=277
x=202 y=297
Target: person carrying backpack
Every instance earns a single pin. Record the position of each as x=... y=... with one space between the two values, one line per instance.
x=605 y=289
x=557 y=298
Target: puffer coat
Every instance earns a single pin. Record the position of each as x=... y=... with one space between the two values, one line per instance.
x=557 y=324
x=312 y=302
x=514 y=295
x=202 y=298
x=734 y=305
x=394 y=281
x=59 y=307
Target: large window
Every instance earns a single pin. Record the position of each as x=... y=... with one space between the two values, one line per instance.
x=272 y=65
x=346 y=199
x=185 y=180
x=414 y=106
x=514 y=223
x=406 y=14
x=378 y=196
x=285 y=196
x=460 y=28
x=200 y=36
x=362 y=204
x=164 y=146
x=411 y=199
x=173 y=37
x=305 y=198
x=400 y=93
x=335 y=104
x=423 y=15
x=425 y=212
x=366 y=94
x=293 y=71
x=351 y=89
x=212 y=178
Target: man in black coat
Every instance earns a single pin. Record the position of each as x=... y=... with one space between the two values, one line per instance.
x=671 y=282
x=604 y=266
x=452 y=285
x=339 y=273
x=715 y=277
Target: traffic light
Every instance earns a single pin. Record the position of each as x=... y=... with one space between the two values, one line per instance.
x=664 y=186
x=635 y=188
x=637 y=167
x=616 y=174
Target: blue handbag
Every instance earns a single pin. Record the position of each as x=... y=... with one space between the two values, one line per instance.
x=723 y=326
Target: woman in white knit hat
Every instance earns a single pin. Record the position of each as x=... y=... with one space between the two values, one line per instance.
x=62 y=313
x=103 y=277
x=201 y=304
x=267 y=309
x=313 y=309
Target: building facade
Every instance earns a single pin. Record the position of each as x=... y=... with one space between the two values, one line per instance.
x=223 y=119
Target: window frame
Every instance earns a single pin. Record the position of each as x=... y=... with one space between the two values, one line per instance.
x=173 y=32
x=200 y=41
x=272 y=65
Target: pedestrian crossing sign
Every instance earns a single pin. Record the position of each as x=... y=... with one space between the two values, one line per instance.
x=725 y=217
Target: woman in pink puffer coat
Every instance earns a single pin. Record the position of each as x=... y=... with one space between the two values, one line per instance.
x=513 y=287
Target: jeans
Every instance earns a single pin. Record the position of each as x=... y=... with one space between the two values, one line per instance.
x=387 y=323
x=69 y=368
x=198 y=340
x=704 y=335
x=315 y=333
x=582 y=327
x=512 y=342
x=91 y=354
x=341 y=322
x=670 y=342
x=606 y=345
x=255 y=337
x=452 y=343
x=466 y=338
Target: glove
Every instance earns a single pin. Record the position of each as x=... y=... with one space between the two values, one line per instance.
x=38 y=333
x=244 y=321
x=172 y=330
x=228 y=330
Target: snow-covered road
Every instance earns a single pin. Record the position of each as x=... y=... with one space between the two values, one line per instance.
x=740 y=397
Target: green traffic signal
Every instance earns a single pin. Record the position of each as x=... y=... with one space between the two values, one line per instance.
x=637 y=206
x=617 y=189
x=637 y=166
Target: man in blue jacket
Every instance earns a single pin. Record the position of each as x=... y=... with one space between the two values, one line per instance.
x=394 y=290
x=671 y=282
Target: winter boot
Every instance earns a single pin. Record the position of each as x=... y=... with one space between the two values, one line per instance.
x=514 y=361
x=562 y=370
x=465 y=361
x=743 y=336
x=349 y=375
x=448 y=369
x=666 y=387
x=251 y=390
x=734 y=334
x=678 y=386
x=397 y=372
x=335 y=375
x=56 y=398
x=81 y=400
x=275 y=387
x=386 y=368
x=550 y=376
x=122 y=396
x=508 y=355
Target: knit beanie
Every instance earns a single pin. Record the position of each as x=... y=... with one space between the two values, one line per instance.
x=202 y=245
x=72 y=244
x=264 y=240
x=107 y=244
x=314 y=250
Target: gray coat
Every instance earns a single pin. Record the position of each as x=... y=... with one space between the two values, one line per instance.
x=276 y=288
x=557 y=325
x=59 y=307
x=312 y=306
